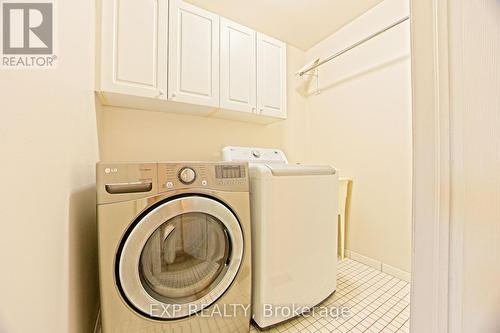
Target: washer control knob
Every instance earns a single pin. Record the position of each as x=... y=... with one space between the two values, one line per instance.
x=169 y=185
x=187 y=176
x=204 y=182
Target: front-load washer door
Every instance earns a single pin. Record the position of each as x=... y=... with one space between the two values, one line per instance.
x=180 y=257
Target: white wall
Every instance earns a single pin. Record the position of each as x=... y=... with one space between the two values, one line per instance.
x=475 y=167
x=48 y=146
x=361 y=123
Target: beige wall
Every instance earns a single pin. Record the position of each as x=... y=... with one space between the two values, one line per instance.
x=48 y=146
x=361 y=123
x=136 y=135
x=475 y=167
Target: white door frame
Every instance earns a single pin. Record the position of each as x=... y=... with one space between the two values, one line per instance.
x=431 y=167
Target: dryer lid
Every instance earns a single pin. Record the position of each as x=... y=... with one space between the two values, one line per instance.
x=301 y=170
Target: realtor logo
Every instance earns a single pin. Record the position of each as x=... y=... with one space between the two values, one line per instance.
x=28 y=34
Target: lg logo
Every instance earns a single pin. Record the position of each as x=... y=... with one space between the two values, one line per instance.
x=110 y=170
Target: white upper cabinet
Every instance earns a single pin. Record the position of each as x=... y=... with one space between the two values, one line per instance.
x=238 y=67
x=168 y=55
x=271 y=76
x=133 y=47
x=193 y=70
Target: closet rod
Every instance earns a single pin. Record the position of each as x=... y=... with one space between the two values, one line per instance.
x=352 y=46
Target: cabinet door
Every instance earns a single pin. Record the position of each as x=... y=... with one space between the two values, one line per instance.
x=238 y=67
x=271 y=76
x=193 y=71
x=133 y=47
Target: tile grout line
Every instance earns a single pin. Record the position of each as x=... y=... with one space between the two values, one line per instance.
x=397 y=302
x=380 y=303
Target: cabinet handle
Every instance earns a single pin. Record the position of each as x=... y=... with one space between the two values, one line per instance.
x=173 y=95
x=261 y=111
x=254 y=110
x=160 y=94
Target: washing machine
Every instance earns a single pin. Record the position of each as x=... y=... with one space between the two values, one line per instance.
x=294 y=210
x=174 y=247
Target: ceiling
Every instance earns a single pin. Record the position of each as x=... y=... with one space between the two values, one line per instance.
x=301 y=23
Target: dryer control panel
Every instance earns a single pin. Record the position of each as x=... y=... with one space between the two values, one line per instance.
x=254 y=155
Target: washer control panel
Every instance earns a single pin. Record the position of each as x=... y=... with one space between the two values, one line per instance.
x=228 y=176
x=230 y=171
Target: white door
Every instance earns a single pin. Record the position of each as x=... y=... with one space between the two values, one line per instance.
x=271 y=77
x=133 y=47
x=193 y=72
x=238 y=67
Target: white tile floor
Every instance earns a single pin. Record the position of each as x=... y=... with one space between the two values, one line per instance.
x=378 y=302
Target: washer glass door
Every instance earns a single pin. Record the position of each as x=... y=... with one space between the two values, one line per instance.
x=180 y=257
x=184 y=258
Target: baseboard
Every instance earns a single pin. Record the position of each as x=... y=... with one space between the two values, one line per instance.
x=378 y=265
x=396 y=272
x=366 y=260
x=97 y=327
